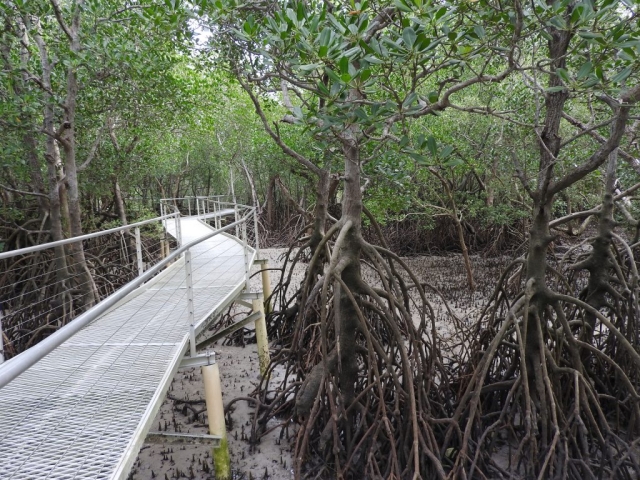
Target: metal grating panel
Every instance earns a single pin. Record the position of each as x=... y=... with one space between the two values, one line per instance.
x=82 y=412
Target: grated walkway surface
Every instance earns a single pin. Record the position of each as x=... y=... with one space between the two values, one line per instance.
x=83 y=411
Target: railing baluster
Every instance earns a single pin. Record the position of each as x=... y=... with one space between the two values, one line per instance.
x=255 y=227
x=235 y=213
x=139 y=251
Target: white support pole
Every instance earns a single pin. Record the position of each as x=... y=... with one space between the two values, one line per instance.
x=139 y=251
x=261 y=336
x=266 y=285
x=215 y=414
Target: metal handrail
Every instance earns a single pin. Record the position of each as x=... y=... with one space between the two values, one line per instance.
x=20 y=363
x=66 y=241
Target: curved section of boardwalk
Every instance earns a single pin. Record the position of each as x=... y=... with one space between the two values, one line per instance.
x=83 y=411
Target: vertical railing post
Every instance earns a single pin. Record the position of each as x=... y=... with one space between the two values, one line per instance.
x=178 y=229
x=139 y=251
x=188 y=275
x=235 y=216
x=215 y=213
x=1 y=338
x=176 y=224
x=255 y=228
x=219 y=210
x=247 y=267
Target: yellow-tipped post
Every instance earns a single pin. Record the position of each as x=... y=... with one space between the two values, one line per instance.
x=266 y=285
x=261 y=336
x=215 y=412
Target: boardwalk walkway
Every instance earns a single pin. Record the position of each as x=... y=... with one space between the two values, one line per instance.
x=84 y=410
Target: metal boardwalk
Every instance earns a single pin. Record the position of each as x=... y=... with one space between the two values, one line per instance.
x=84 y=410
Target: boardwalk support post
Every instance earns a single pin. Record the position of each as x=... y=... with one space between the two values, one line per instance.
x=261 y=336
x=139 y=251
x=215 y=413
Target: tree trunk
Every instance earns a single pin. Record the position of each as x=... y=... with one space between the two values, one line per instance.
x=270 y=201
x=68 y=139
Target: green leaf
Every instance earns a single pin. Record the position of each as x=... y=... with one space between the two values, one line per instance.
x=332 y=75
x=441 y=11
x=432 y=146
x=344 y=65
x=409 y=36
x=310 y=67
x=622 y=75
x=585 y=70
x=454 y=162
x=446 y=151
x=300 y=12
x=421 y=159
x=360 y=113
x=325 y=36
x=400 y=5
x=412 y=97
x=590 y=35
x=563 y=74
x=558 y=22
x=591 y=82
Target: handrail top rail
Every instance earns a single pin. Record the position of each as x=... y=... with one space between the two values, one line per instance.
x=66 y=241
x=206 y=197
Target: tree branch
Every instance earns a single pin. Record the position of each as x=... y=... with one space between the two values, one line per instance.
x=285 y=148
